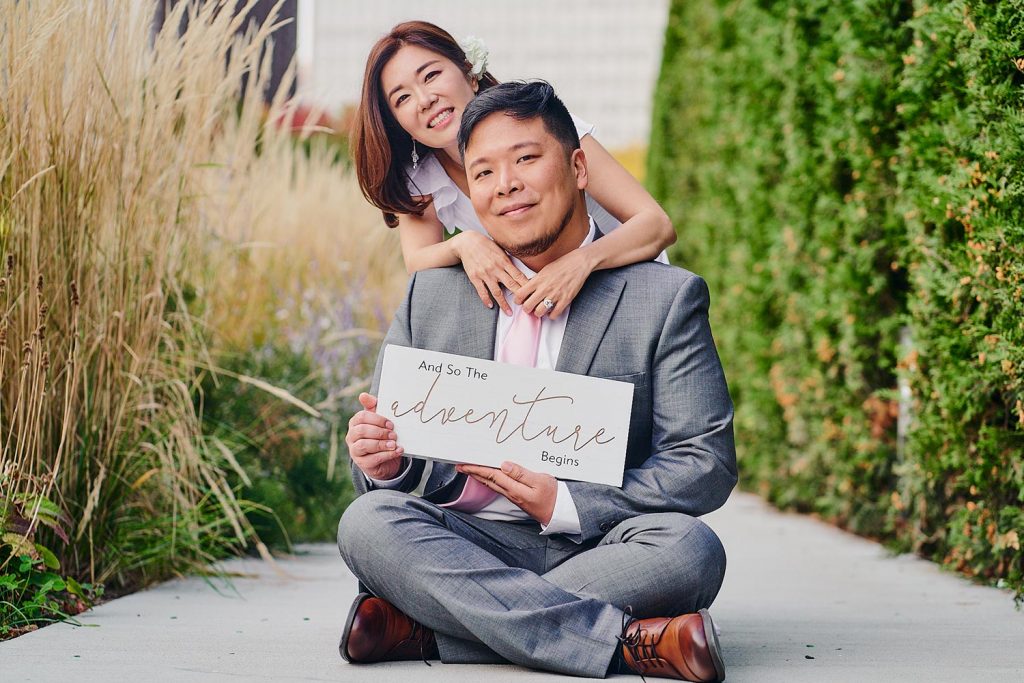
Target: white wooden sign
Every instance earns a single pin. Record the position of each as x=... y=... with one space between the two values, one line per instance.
x=461 y=409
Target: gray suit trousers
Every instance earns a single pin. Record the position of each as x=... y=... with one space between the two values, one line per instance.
x=499 y=591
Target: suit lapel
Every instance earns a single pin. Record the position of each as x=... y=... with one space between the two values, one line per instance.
x=589 y=315
x=477 y=326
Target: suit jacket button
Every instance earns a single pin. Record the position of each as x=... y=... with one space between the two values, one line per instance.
x=604 y=526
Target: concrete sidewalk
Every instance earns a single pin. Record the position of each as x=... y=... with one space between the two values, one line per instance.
x=802 y=601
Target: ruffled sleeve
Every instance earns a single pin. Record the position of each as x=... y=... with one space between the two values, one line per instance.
x=429 y=178
x=582 y=127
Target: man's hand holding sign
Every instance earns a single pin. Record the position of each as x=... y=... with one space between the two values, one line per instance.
x=372 y=442
x=534 y=493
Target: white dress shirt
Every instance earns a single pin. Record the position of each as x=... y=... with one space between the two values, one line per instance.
x=564 y=518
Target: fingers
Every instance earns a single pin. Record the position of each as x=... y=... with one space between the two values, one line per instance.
x=365 y=438
x=489 y=291
x=494 y=264
x=498 y=479
x=507 y=280
x=519 y=278
x=514 y=471
x=495 y=289
x=484 y=475
x=490 y=269
x=535 y=305
x=526 y=291
x=370 y=447
x=374 y=462
x=541 y=310
x=369 y=433
x=369 y=417
x=371 y=440
x=534 y=302
x=491 y=481
x=559 y=309
x=481 y=292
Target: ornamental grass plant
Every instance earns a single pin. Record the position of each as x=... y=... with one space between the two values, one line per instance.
x=304 y=293
x=155 y=220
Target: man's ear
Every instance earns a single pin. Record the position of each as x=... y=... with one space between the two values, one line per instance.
x=579 y=167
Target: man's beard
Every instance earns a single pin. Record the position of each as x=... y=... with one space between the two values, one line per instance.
x=542 y=243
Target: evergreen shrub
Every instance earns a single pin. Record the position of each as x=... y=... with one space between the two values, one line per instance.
x=846 y=175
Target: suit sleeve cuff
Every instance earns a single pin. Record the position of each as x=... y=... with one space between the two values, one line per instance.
x=565 y=519
x=396 y=481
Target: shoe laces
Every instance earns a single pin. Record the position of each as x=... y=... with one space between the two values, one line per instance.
x=642 y=652
x=420 y=634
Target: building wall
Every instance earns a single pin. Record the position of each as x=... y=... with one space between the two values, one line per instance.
x=602 y=56
x=284 y=38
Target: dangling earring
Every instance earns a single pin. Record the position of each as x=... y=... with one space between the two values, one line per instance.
x=415 y=156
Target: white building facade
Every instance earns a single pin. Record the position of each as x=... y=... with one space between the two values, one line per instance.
x=602 y=56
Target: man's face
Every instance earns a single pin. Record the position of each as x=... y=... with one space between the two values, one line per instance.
x=523 y=186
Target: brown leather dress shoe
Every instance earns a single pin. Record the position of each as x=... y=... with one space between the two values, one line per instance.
x=376 y=631
x=684 y=648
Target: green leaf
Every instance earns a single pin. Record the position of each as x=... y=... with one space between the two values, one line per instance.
x=9 y=581
x=50 y=582
x=30 y=501
x=45 y=511
x=55 y=525
x=49 y=559
x=75 y=588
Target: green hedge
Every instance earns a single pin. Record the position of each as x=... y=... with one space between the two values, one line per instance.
x=847 y=176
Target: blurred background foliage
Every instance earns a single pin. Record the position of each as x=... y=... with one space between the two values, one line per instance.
x=847 y=177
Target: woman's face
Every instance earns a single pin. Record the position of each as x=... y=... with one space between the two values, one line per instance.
x=427 y=93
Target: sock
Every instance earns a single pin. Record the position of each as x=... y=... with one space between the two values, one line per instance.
x=618 y=664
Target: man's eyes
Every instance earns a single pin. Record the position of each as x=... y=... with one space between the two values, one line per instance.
x=523 y=158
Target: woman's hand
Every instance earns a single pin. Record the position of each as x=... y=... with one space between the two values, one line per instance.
x=560 y=281
x=488 y=268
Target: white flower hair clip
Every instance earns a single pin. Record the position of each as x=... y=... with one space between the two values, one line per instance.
x=476 y=54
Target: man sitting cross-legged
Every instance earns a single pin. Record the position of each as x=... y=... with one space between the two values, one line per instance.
x=497 y=565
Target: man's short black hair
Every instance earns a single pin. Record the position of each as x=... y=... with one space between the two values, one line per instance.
x=522 y=101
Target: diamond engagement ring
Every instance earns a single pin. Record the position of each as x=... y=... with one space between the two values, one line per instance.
x=548 y=304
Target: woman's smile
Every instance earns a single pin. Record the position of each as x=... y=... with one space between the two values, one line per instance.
x=442 y=119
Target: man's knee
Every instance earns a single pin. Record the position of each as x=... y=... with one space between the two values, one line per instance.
x=691 y=547
x=365 y=518
x=708 y=546
x=701 y=558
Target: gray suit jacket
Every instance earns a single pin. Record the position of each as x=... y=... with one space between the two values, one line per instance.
x=646 y=324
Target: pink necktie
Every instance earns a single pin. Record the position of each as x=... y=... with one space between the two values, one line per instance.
x=519 y=347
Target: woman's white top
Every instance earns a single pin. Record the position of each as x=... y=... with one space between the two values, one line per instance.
x=455 y=210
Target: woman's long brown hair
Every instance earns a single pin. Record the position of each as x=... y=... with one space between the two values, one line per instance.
x=380 y=145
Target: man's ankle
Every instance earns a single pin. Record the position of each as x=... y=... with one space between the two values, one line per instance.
x=618 y=664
